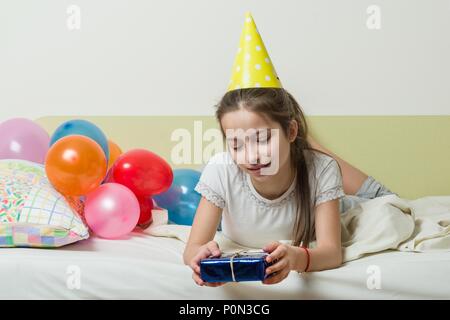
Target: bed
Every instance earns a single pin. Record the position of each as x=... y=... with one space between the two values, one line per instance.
x=141 y=266
x=145 y=267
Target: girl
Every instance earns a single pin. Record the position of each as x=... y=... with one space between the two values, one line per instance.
x=300 y=202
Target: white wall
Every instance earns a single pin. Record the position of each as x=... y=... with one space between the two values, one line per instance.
x=174 y=57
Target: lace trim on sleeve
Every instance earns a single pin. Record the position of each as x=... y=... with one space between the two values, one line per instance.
x=334 y=193
x=210 y=195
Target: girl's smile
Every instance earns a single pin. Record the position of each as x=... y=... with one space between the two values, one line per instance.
x=256 y=169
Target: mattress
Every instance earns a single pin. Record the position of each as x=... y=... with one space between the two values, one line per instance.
x=141 y=266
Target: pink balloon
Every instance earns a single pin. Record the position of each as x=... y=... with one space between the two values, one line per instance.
x=112 y=210
x=23 y=139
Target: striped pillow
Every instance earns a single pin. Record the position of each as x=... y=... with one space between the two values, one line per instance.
x=32 y=212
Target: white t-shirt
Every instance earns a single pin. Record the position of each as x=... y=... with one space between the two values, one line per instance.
x=252 y=220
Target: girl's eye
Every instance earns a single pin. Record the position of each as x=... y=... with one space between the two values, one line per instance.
x=236 y=144
x=263 y=136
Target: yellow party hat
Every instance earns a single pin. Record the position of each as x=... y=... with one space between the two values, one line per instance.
x=252 y=67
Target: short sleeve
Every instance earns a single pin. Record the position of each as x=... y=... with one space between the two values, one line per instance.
x=329 y=183
x=213 y=180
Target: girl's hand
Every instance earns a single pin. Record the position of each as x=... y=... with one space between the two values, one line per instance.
x=283 y=257
x=205 y=251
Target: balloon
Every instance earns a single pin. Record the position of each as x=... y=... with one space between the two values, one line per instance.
x=143 y=172
x=83 y=128
x=114 y=153
x=108 y=177
x=181 y=200
x=145 y=217
x=75 y=165
x=111 y=210
x=23 y=139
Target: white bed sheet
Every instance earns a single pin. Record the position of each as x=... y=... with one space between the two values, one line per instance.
x=145 y=267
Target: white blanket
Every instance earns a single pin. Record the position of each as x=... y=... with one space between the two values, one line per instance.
x=384 y=223
x=141 y=266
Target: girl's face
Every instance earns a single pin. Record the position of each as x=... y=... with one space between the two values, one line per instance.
x=257 y=144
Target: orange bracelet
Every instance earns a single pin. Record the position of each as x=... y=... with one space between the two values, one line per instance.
x=308 y=258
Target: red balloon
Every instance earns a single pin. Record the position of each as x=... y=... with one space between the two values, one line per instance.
x=143 y=172
x=145 y=218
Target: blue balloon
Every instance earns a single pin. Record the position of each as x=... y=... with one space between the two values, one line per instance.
x=181 y=200
x=84 y=128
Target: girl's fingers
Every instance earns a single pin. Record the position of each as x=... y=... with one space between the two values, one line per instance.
x=276 y=278
x=197 y=279
x=280 y=265
x=194 y=266
x=213 y=248
x=214 y=284
x=277 y=254
x=204 y=253
x=200 y=282
x=271 y=246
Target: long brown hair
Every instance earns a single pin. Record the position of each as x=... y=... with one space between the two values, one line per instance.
x=280 y=106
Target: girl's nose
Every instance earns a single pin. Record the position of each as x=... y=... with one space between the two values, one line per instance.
x=252 y=154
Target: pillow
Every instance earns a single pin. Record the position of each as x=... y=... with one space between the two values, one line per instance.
x=32 y=212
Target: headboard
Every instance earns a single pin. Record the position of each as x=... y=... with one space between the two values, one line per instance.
x=409 y=154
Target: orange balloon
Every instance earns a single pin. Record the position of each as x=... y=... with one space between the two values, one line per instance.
x=114 y=153
x=75 y=165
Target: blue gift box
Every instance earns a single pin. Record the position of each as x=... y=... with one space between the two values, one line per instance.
x=239 y=266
